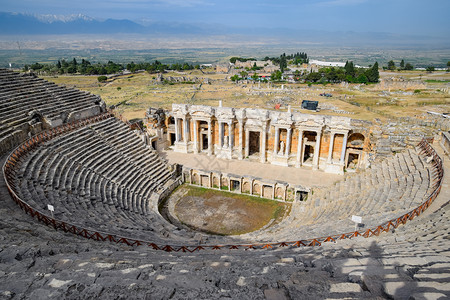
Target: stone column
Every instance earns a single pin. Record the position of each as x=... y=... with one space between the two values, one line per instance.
x=247 y=143
x=273 y=192
x=277 y=141
x=288 y=142
x=177 y=130
x=330 y=152
x=303 y=148
x=317 y=151
x=220 y=135
x=186 y=130
x=299 y=149
x=210 y=144
x=195 y=136
x=240 y=185
x=344 y=148
x=263 y=145
x=230 y=135
x=241 y=140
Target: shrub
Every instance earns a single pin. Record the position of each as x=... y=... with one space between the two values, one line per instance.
x=102 y=78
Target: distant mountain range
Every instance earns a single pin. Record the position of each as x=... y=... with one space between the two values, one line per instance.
x=17 y=23
x=12 y=24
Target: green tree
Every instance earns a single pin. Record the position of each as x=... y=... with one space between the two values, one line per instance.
x=186 y=66
x=243 y=74
x=448 y=66
x=72 y=69
x=409 y=66
x=402 y=64
x=314 y=76
x=362 y=79
x=349 y=69
x=391 y=65
x=255 y=77
x=430 y=69
x=372 y=74
x=276 y=76
x=283 y=63
x=235 y=77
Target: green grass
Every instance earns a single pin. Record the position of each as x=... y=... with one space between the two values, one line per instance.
x=436 y=81
x=244 y=213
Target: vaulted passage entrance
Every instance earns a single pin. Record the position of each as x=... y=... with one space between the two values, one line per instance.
x=254 y=143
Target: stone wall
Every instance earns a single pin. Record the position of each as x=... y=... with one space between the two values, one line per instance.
x=445 y=142
x=281 y=138
x=245 y=184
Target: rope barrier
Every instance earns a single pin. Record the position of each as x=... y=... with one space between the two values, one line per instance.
x=21 y=150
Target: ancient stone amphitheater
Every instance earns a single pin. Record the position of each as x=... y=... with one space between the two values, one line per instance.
x=107 y=239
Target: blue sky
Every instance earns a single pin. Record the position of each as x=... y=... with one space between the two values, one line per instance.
x=396 y=16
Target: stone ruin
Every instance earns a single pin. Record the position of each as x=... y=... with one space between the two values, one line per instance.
x=30 y=105
x=329 y=143
x=105 y=238
x=396 y=83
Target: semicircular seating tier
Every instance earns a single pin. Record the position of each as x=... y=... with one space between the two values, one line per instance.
x=100 y=176
x=385 y=191
x=29 y=105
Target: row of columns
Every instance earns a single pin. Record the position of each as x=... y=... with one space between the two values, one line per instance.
x=230 y=180
x=241 y=151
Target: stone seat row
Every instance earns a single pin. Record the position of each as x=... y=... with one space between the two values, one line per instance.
x=368 y=194
x=91 y=158
x=18 y=91
x=92 y=181
x=405 y=191
x=47 y=104
x=22 y=94
x=88 y=212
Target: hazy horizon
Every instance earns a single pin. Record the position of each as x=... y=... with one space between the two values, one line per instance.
x=361 y=30
x=411 y=17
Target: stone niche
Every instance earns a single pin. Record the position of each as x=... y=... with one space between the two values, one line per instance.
x=284 y=138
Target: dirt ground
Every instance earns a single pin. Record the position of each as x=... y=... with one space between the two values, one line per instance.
x=225 y=213
x=405 y=93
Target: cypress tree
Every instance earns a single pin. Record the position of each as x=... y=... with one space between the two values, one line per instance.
x=373 y=75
